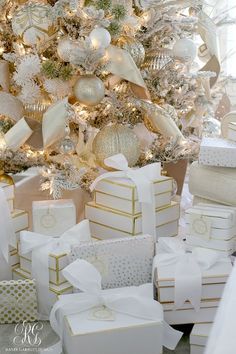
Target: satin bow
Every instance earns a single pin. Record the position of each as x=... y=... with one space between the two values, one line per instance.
x=41 y=247
x=188 y=268
x=143 y=179
x=134 y=301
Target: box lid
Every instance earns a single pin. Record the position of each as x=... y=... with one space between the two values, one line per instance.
x=45 y=204
x=200 y=333
x=217 y=143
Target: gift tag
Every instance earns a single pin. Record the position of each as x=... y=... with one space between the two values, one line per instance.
x=48 y=221
x=200 y=226
x=101 y=313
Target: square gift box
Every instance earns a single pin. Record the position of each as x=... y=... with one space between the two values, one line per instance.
x=53 y=217
x=199 y=337
x=18 y=301
x=217 y=152
x=121 y=262
x=132 y=225
x=232 y=131
x=121 y=194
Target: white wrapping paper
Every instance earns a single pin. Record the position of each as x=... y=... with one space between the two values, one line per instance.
x=18 y=135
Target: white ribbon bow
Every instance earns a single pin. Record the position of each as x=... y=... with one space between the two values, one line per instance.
x=188 y=268
x=7 y=236
x=143 y=179
x=134 y=301
x=41 y=247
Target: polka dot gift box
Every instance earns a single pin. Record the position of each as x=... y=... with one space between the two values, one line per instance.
x=18 y=301
x=217 y=152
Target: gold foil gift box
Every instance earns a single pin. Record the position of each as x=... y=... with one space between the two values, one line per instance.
x=107 y=220
x=18 y=301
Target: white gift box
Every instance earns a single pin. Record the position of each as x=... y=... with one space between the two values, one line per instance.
x=128 y=223
x=103 y=232
x=9 y=193
x=206 y=313
x=232 y=131
x=124 y=334
x=56 y=290
x=121 y=262
x=121 y=194
x=199 y=337
x=53 y=217
x=217 y=152
x=20 y=220
x=217 y=184
x=226 y=247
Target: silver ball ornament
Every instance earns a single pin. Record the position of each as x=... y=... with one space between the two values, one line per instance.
x=89 y=90
x=67 y=146
x=185 y=49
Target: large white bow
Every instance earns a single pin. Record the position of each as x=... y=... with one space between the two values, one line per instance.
x=188 y=268
x=41 y=247
x=134 y=301
x=143 y=179
x=7 y=236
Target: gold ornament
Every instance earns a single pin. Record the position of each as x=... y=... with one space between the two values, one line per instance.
x=89 y=90
x=156 y=61
x=37 y=110
x=4 y=178
x=115 y=139
x=133 y=47
x=33 y=23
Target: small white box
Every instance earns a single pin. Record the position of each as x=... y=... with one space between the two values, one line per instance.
x=124 y=335
x=232 y=131
x=53 y=217
x=20 y=220
x=218 y=245
x=103 y=232
x=188 y=314
x=217 y=152
x=128 y=223
x=199 y=337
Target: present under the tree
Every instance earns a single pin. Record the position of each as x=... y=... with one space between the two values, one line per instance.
x=127 y=320
x=217 y=152
x=188 y=279
x=128 y=224
x=211 y=226
x=9 y=193
x=199 y=337
x=53 y=217
x=217 y=184
x=18 y=301
x=231 y=134
x=121 y=262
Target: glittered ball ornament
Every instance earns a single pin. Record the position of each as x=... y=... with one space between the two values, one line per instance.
x=67 y=146
x=185 y=49
x=133 y=47
x=100 y=37
x=89 y=90
x=33 y=22
x=116 y=139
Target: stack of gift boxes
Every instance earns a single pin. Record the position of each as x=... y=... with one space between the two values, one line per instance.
x=19 y=219
x=116 y=211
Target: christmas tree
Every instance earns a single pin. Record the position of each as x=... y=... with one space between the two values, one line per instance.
x=84 y=80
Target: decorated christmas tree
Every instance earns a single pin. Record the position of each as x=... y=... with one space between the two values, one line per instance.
x=84 y=80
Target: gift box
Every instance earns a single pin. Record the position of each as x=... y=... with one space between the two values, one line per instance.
x=231 y=135
x=188 y=280
x=102 y=232
x=127 y=320
x=198 y=337
x=20 y=220
x=124 y=222
x=121 y=194
x=18 y=301
x=9 y=193
x=217 y=152
x=217 y=184
x=121 y=262
x=53 y=217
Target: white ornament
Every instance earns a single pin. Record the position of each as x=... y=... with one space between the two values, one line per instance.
x=64 y=48
x=185 y=49
x=100 y=37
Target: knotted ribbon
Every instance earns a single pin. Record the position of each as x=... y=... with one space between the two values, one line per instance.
x=188 y=267
x=143 y=178
x=133 y=301
x=7 y=236
x=41 y=247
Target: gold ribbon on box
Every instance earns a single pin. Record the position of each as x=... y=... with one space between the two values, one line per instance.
x=188 y=267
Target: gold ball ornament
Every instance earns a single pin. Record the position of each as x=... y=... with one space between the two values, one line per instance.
x=116 y=139
x=89 y=90
x=133 y=47
x=33 y=23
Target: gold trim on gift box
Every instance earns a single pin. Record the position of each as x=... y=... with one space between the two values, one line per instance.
x=50 y=281
x=133 y=187
x=17 y=212
x=134 y=200
x=157 y=280
x=54 y=257
x=192 y=308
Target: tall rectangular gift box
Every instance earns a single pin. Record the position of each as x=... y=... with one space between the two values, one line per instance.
x=173 y=255
x=9 y=193
x=20 y=222
x=217 y=152
x=212 y=226
x=199 y=337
